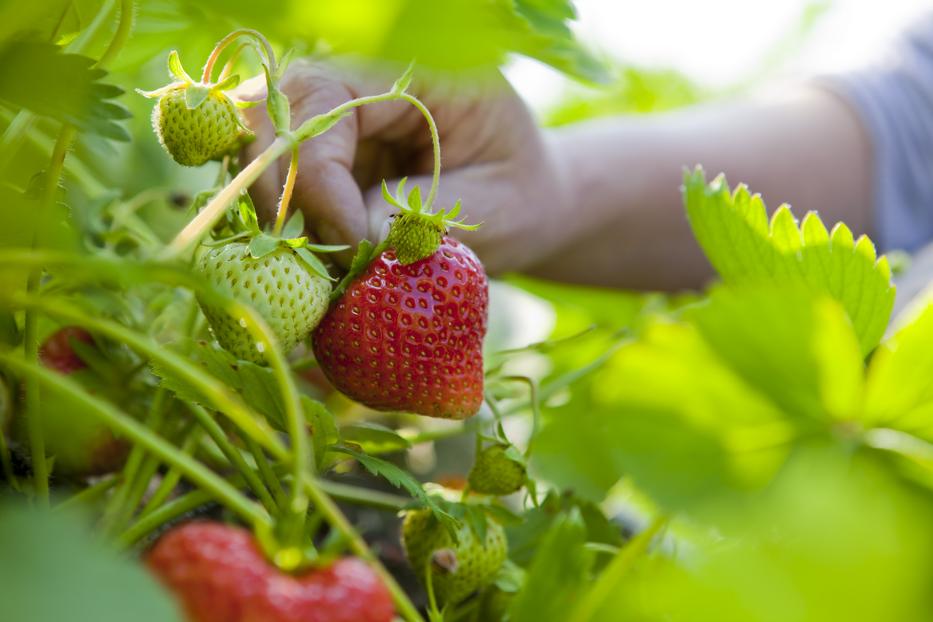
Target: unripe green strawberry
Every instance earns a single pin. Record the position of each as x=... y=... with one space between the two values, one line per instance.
x=498 y=470
x=457 y=568
x=279 y=286
x=195 y=135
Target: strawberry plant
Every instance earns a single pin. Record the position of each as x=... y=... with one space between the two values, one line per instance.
x=204 y=417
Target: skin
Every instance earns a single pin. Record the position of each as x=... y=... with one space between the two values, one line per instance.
x=596 y=203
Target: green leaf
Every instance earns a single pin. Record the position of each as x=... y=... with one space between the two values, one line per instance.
x=798 y=351
x=745 y=248
x=195 y=95
x=255 y=384
x=899 y=393
x=93 y=582
x=313 y=263
x=64 y=87
x=398 y=478
x=375 y=438
x=558 y=575
x=262 y=245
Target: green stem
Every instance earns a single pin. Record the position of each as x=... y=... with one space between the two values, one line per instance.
x=155 y=519
x=7 y=463
x=173 y=476
x=117 y=507
x=612 y=576
x=326 y=506
x=435 y=144
x=217 y=393
x=120 y=37
x=40 y=467
x=535 y=408
x=266 y=472
x=217 y=434
x=136 y=432
x=88 y=495
x=287 y=190
x=364 y=496
x=215 y=208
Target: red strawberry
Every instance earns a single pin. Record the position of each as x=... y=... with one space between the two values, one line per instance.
x=409 y=337
x=57 y=352
x=80 y=444
x=220 y=575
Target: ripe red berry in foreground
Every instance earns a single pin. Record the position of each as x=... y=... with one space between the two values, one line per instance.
x=219 y=574
x=410 y=337
x=57 y=352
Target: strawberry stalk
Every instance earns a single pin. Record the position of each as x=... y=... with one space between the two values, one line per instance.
x=89 y=495
x=233 y=455
x=230 y=38
x=287 y=190
x=118 y=506
x=172 y=477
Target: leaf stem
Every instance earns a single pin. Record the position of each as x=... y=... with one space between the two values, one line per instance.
x=122 y=34
x=287 y=190
x=266 y=472
x=326 y=506
x=88 y=495
x=173 y=476
x=217 y=434
x=153 y=520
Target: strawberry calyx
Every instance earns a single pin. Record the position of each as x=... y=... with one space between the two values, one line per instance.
x=416 y=232
x=246 y=229
x=196 y=93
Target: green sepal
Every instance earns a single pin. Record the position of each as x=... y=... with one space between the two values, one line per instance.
x=248 y=217
x=318 y=124
x=176 y=69
x=230 y=82
x=195 y=95
x=404 y=81
x=262 y=245
x=277 y=105
x=295 y=225
x=313 y=263
x=366 y=251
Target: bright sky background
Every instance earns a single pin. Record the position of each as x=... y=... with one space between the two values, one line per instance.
x=718 y=42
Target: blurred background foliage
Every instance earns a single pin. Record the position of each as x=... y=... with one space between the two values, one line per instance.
x=777 y=517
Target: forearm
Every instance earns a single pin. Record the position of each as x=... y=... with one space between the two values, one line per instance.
x=628 y=226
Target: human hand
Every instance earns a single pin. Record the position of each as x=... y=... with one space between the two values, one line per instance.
x=493 y=154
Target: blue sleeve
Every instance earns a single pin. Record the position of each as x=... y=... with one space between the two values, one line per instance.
x=895 y=103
